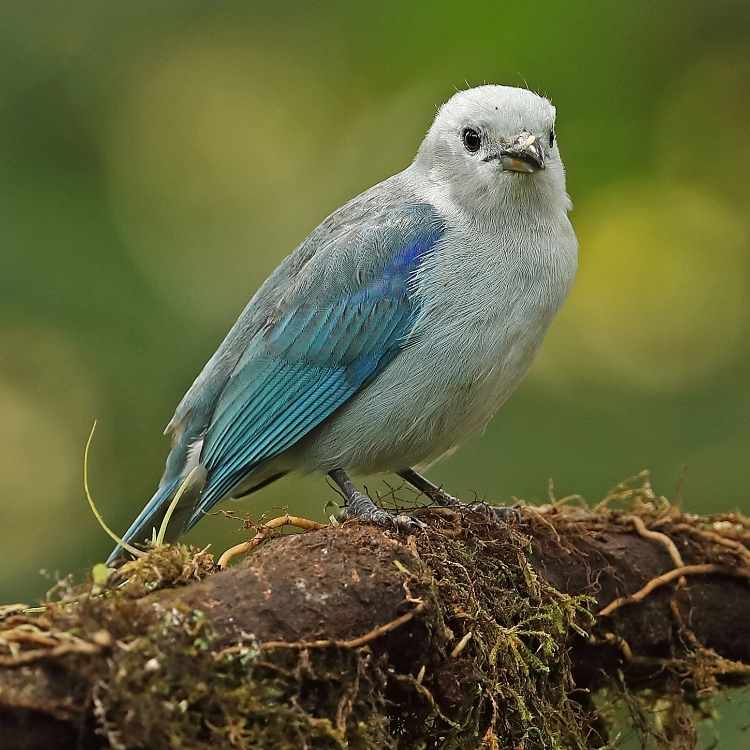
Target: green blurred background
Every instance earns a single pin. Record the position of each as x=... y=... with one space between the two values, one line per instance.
x=157 y=160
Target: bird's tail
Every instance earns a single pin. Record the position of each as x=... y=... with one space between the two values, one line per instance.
x=153 y=514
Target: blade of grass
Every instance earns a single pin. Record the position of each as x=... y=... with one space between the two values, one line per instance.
x=92 y=504
x=170 y=510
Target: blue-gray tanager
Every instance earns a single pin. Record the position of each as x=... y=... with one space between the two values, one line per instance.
x=396 y=329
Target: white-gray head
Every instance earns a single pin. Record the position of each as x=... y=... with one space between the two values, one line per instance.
x=493 y=144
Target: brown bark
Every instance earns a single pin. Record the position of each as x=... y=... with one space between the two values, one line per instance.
x=357 y=587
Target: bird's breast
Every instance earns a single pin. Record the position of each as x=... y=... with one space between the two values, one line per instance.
x=487 y=300
x=484 y=305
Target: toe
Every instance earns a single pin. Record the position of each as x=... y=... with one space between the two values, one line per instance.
x=507 y=514
x=362 y=507
x=444 y=499
x=382 y=518
x=407 y=524
x=504 y=514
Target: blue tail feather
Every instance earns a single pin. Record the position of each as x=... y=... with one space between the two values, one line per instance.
x=149 y=517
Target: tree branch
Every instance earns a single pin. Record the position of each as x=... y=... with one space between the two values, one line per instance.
x=471 y=634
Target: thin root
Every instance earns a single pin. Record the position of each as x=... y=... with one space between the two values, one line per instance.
x=461 y=645
x=724 y=541
x=668 y=577
x=427 y=695
x=664 y=540
x=263 y=532
x=615 y=640
x=51 y=646
x=657 y=536
x=354 y=642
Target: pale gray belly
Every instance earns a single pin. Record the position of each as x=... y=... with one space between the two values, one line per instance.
x=471 y=348
x=431 y=397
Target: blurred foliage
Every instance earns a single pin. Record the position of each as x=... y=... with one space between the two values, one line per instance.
x=157 y=160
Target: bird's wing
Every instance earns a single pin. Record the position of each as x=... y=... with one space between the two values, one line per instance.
x=332 y=317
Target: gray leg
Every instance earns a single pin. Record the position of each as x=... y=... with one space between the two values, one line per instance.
x=426 y=487
x=359 y=505
x=440 y=497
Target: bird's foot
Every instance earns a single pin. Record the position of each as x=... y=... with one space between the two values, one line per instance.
x=504 y=514
x=362 y=507
x=442 y=498
x=497 y=514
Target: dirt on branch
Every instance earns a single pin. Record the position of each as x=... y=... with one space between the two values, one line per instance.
x=471 y=634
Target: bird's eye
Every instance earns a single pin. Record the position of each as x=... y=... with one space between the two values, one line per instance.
x=552 y=138
x=472 y=140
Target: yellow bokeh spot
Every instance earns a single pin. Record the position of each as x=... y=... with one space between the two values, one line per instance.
x=662 y=299
x=701 y=131
x=220 y=163
x=202 y=153
x=46 y=401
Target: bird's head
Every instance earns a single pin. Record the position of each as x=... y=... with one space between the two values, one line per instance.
x=492 y=144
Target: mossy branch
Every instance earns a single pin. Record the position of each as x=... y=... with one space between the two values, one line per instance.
x=468 y=635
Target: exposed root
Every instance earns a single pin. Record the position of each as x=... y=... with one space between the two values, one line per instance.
x=657 y=536
x=667 y=543
x=420 y=689
x=488 y=638
x=461 y=645
x=263 y=533
x=620 y=642
x=668 y=577
x=50 y=644
x=352 y=643
x=733 y=544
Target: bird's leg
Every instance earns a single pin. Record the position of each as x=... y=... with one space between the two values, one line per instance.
x=426 y=487
x=503 y=513
x=359 y=505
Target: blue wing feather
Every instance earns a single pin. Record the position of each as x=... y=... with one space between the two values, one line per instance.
x=327 y=321
x=321 y=357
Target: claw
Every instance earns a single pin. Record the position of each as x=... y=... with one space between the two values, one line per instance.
x=504 y=514
x=406 y=523
x=362 y=507
x=444 y=499
x=507 y=514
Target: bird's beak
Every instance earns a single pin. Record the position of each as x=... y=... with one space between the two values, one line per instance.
x=525 y=155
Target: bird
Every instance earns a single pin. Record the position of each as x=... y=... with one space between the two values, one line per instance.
x=396 y=329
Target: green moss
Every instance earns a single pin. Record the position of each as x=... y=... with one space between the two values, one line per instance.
x=165 y=566
x=172 y=689
x=497 y=672
x=172 y=686
x=516 y=659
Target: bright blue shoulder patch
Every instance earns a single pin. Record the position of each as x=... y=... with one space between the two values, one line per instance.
x=312 y=360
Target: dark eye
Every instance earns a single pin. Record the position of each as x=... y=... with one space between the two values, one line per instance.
x=472 y=140
x=551 y=138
